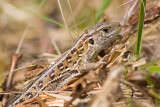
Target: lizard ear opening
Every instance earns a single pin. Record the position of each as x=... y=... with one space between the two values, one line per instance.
x=91 y=41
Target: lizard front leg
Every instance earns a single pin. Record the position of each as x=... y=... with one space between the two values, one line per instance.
x=85 y=67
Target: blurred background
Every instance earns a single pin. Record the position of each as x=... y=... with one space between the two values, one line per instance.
x=40 y=33
x=33 y=17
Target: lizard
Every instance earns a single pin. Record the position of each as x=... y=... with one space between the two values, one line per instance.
x=76 y=61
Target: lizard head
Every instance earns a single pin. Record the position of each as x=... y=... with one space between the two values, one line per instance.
x=104 y=34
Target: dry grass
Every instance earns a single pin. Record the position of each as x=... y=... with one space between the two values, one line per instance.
x=124 y=81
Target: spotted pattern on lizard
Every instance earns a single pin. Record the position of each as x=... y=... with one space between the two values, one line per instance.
x=75 y=62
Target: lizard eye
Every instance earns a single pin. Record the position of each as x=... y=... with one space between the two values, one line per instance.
x=91 y=41
x=105 y=30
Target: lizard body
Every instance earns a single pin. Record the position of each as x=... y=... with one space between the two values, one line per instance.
x=74 y=62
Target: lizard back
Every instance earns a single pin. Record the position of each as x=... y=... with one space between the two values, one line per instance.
x=85 y=49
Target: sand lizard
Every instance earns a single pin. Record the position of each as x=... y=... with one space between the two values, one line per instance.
x=75 y=62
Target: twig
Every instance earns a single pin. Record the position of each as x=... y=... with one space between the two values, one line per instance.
x=64 y=20
x=13 y=64
x=73 y=17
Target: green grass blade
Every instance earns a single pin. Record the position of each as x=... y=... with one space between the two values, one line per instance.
x=140 y=26
x=99 y=13
x=154 y=69
x=36 y=14
x=45 y=18
x=41 y=16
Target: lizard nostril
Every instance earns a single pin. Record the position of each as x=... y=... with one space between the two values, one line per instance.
x=105 y=30
x=91 y=41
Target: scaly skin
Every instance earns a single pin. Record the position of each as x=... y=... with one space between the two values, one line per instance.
x=75 y=62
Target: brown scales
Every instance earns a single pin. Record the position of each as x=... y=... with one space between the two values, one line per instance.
x=77 y=60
